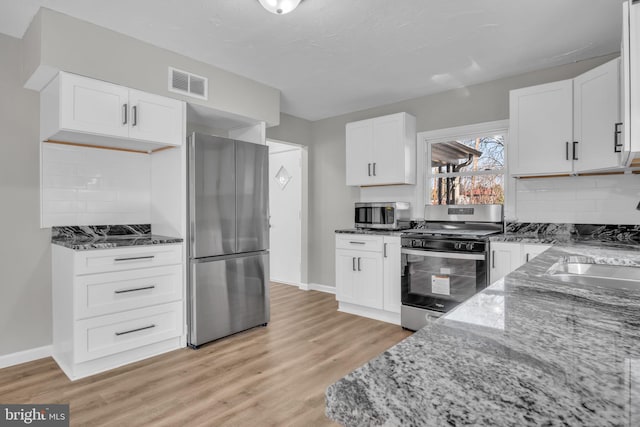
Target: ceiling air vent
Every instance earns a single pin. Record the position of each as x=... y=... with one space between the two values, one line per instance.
x=188 y=84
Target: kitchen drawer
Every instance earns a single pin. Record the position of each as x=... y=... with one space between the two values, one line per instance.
x=114 y=333
x=360 y=242
x=106 y=293
x=105 y=260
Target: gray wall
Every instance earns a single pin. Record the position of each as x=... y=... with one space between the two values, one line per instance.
x=298 y=131
x=331 y=201
x=58 y=41
x=25 y=259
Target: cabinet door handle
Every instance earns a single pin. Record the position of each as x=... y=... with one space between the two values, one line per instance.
x=617 y=148
x=369 y=168
x=493 y=259
x=124 y=291
x=134 y=113
x=566 y=149
x=135 y=258
x=526 y=258
x=374 y=169
x=135 y=330
x=575 y=151
x=359 y=264
x=385 y=250
x=353 y=260
x=357 y=243
x=125 y=119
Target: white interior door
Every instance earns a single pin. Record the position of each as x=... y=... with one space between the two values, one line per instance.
x=285 y=207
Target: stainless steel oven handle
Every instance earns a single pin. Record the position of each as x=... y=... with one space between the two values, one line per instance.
x=450 y=255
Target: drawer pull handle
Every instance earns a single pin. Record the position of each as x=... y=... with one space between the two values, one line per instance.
x=124 y=291
x=357 y=243
x=135 y=330
x=135 y=258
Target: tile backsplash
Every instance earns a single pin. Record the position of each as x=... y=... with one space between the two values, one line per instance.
x=605 y=199
x=90 y=186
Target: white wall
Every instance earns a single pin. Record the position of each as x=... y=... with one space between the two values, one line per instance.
x=608 y=199
x=58 y=41
x=92 y=186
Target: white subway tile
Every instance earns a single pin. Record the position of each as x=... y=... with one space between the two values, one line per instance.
x=63 y=206
x=58 y=194
x=61 y=153
x=60 y=219
x=97 y=195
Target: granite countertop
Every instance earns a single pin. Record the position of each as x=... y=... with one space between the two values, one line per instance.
x=525 y=351
x=82 y=238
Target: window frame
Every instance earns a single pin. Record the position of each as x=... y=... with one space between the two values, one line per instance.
x=425 y=139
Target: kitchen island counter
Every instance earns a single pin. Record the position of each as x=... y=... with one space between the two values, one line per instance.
x=527 y=350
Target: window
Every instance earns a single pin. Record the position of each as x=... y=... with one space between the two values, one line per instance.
x=466 y=169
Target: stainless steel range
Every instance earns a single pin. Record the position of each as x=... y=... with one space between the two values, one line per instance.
x=445 y=263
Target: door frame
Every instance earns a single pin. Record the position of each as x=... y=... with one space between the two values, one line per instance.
x=304 y=211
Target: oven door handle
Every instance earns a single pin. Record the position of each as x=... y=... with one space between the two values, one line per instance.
x=450 y=255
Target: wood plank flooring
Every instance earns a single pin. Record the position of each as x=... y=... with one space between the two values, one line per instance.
x=273 y=376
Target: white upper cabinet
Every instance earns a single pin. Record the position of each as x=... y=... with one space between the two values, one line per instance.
x=155 y=118
x=93 y=106
x=541 y=120
x=568 y=126
x=596 y=109
x=359 y=141
x=84 y=110
x=381 y=151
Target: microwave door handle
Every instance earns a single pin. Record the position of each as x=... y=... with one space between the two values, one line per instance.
x=449 y=255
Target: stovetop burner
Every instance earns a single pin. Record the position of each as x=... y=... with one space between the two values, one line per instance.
x=461 y=232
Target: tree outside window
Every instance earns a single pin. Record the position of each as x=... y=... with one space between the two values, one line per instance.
x=468 y=171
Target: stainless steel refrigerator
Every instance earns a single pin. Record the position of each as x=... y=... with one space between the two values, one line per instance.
x=228 y=237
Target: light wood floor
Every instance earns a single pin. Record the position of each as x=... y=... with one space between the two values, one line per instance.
x=273 y=376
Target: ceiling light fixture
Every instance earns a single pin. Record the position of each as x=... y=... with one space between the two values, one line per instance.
x=280 y=7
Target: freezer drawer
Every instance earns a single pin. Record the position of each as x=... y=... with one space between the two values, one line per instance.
x=228 y=295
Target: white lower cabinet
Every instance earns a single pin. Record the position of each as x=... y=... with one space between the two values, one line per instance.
x=368 y=276
x=508 y=256
x=115 y=306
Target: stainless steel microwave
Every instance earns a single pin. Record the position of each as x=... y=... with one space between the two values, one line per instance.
x=383 y=215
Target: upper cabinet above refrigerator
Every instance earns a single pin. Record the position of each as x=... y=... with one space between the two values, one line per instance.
x=79 y=109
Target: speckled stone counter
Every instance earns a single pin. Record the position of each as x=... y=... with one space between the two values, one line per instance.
x=82 y=238
x=546 y=233
x=528 y=350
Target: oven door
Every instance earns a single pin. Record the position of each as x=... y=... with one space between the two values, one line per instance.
x=439 y=281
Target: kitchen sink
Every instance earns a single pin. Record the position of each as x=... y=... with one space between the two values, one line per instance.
x=585 y=271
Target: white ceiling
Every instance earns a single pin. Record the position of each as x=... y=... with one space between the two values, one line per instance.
x=330 y=57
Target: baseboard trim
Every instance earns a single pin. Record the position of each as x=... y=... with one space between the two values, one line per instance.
x=304 y=286
x=25 y=356
x=322 y=288
x=284 y=282
x=371 y=313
